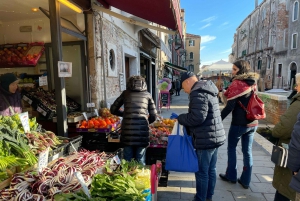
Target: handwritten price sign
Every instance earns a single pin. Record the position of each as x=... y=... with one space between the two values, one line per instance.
x=25 y=121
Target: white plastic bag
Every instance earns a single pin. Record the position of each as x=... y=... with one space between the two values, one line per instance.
x=175 y=127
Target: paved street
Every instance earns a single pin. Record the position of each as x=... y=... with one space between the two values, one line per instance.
x=181 y=186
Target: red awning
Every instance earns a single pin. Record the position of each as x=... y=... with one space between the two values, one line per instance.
x=162 y=12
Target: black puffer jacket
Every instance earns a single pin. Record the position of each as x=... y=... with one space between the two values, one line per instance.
x=203 y=120
x=137 y=104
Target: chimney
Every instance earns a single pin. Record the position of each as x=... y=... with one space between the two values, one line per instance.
x=256 y=3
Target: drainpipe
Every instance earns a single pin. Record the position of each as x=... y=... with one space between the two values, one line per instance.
x=102 y=58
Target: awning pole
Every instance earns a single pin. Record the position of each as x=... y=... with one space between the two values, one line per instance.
x=59 y=83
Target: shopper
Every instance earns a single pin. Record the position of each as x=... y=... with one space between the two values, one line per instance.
x=138 y=103
x=177 y=87
x=220 y=86
x=203 y=122
x=283 y=130
x=293 y=162
x=10 y=97
x=243 y=82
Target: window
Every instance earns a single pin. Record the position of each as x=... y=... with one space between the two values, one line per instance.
x=279 y=70
x=294 y=40
x=191 y=42
x=191 y=55
x=269 y=77
x=295 y=11
x=259 y=64
x=191 y=67
x=244 y=52
x=263 y=14
x=269 y=62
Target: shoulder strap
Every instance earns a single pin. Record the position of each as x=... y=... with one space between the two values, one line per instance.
x=10 y=108
x=240 y=103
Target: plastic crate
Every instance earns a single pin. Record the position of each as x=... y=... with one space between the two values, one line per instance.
x=57 y=153
x=76 y=142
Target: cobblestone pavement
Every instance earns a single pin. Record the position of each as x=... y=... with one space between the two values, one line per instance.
x=181 y=186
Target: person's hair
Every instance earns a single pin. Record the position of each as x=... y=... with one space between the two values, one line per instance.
x=135 y=77
x=243 y=66
x=297 y=77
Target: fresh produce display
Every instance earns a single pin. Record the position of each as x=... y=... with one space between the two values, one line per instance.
x=160 y=130
x=24 y=54
x=47 y=98
x=14 y=123
x=58 y=178
x=14 y=144
x=127 y=182
x=105 y=120
x=40 y=141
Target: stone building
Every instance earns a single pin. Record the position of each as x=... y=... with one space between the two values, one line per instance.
x=263 y=40
x=192 y=46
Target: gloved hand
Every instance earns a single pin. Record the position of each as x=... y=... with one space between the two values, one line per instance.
x=174 y=116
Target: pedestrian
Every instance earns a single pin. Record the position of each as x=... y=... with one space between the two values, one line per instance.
x=203 y=122
x=283 y=130
x=293 y=161
x=220 y=86
x=139 y=112
x=177 y=87
x=10 y=97
x=243 y=82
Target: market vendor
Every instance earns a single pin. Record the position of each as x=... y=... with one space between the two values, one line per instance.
x=135 y=132
x=10 y=97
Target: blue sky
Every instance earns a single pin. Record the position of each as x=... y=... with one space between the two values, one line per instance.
x=216 y=22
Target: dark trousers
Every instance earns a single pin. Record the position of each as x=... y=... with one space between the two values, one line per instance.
x=177 y=92
x=280 y=197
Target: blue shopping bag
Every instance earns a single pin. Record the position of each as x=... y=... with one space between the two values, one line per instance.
x=181 y=155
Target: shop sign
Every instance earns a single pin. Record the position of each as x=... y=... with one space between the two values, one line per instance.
x=64 y=69
x=25 y=121
x=43 y=81
x=25 y=28
x=90 y=105
x=122 y=81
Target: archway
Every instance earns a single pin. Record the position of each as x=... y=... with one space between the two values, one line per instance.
x=293 y=69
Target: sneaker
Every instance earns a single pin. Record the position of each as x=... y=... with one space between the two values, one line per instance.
x=224 y=178
x=244 y=186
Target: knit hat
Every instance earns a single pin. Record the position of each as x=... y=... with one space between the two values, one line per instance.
x=6 y=80
x=243 y=66
x=185 y=76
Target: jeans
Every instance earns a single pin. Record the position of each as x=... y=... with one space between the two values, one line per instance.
x=246 y=134
x=206 y=176
x=133 y=152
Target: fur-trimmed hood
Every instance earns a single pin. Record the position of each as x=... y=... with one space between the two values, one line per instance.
x=250 y=78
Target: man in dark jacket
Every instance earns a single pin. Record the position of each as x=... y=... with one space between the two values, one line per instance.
x=138 y=103
x=293 y=162
x=203 y=122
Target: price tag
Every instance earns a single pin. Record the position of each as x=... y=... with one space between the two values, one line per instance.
x=40 y=110
x=73 y=147
x=25 y=121
x=43 y=81
x=83 y=184
x=43 y=159
x=90 y=104
x=117 y=159
x=39 y=128
x=85 y=116
x=96 y=111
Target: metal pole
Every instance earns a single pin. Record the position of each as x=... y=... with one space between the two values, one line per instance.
x=59 y=83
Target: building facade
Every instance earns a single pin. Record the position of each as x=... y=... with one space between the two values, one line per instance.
x=264 y=39
x=192 y=57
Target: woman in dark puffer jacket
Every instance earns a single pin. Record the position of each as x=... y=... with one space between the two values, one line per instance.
x=138 y=103
x=241 y=128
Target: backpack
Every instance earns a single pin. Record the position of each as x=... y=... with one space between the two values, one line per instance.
x=255 y=109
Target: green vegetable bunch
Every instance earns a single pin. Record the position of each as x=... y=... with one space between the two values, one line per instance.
x=14 y=122
x=117 y=187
